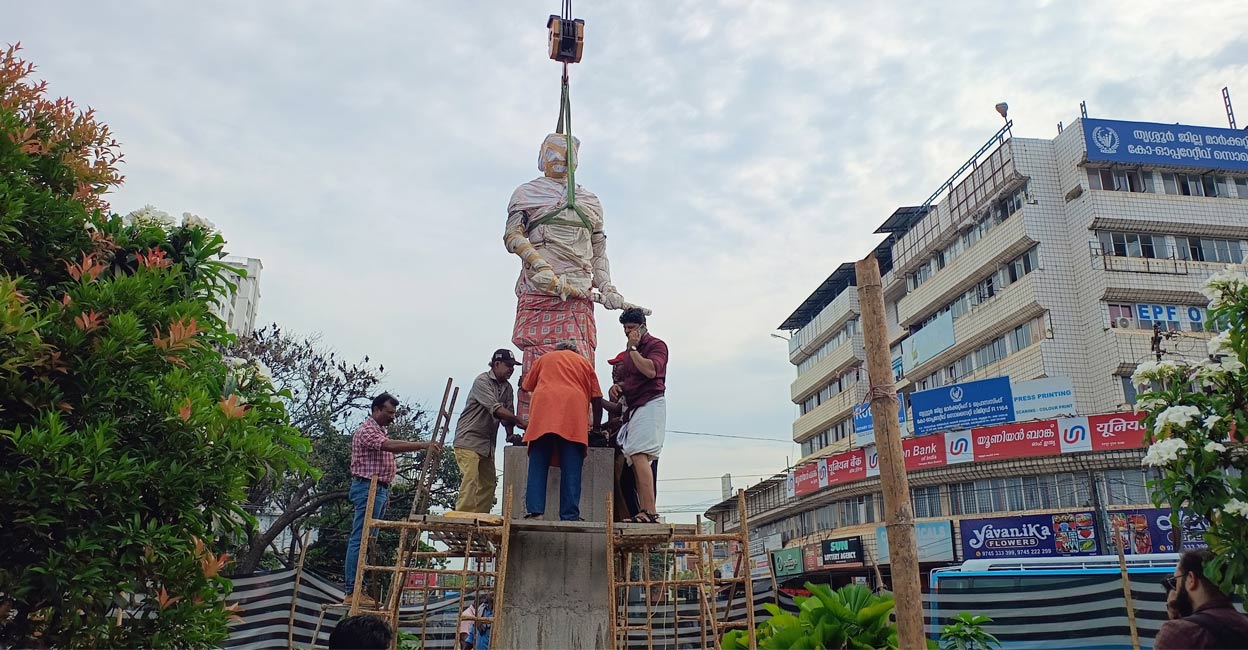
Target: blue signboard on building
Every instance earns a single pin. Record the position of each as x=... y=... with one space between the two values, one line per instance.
x=1059 y=535
x=1170 y=145
x=962 y=406
x=864 y=423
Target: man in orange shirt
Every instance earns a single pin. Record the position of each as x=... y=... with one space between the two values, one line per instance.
x=564 y=388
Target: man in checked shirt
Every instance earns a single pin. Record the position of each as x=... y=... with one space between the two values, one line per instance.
x=372 y=454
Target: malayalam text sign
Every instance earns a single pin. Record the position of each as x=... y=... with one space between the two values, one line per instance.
x=1116 y=431
x=1017 y=440
x=806 y=478
x=971 y=404
x=1150 y=143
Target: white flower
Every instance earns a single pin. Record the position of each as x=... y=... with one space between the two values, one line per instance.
x=148 y=215
x=1178 y=415
x=1236 y=507
x=1222 y=286
x=1231 y=363
x=261 y=370
x=1212 y=420
x=234 y=362
x=1164 y=452
x=1215 y=447
x=1220 y=344
x=1144 y=374
x=195 y=221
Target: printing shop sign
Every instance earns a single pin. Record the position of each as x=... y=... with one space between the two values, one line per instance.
x=961 y=406
x=1149 y=143
x=1057 y=535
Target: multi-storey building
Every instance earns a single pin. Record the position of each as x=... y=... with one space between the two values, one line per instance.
x=238 y=309
x=1041 y=273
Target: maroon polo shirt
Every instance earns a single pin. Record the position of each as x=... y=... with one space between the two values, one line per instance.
x=638 y=389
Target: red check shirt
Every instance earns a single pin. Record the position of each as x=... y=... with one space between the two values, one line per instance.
x=367 y=458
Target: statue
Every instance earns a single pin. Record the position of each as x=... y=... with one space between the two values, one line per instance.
x=564 y=266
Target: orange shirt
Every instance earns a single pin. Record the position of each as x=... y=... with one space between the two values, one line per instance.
x=563 y=384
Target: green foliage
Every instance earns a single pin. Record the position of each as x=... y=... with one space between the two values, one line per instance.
x=849 y=617
x=966 y=632
x=125 y=442
x=1197 y=414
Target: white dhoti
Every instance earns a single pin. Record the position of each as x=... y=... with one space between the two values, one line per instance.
x=645 y=430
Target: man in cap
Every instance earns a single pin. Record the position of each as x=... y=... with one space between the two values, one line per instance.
x=476 y=433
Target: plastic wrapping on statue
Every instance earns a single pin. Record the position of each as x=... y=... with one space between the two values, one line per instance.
x=563 y=259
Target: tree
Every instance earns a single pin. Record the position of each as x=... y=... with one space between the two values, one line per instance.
x=1197 y=414
x=327 y=397
x=126 y=444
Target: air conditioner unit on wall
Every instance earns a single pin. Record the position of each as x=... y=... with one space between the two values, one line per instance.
x=1124 y=323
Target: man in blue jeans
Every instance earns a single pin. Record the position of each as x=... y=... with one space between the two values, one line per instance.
x=372 y=455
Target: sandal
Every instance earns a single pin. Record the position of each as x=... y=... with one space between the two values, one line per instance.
x=535 y=515
x=643 y=517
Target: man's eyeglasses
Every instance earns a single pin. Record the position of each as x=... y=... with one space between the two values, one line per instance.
x=1172 y=582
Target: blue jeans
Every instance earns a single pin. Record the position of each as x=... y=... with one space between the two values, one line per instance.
x=359 y=498
x=571 y=459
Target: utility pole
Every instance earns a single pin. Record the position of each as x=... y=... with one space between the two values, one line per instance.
x=1157 y=340
x=899 y=514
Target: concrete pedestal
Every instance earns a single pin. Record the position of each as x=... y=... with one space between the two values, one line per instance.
x=556 y=591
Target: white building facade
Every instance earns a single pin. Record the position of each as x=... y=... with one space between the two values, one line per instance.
x=238 y=309
x=1059 y=264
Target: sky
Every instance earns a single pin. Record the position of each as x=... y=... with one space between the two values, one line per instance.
x=742 y=149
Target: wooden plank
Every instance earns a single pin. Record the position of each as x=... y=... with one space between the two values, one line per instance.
x=542 y=526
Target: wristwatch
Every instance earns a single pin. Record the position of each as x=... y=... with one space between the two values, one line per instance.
x=632 y=348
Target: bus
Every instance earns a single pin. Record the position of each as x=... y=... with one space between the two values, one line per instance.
x=1068 y=602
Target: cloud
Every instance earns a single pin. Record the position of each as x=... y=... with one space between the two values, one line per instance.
x=742 y=150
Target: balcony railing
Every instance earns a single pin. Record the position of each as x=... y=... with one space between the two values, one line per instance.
x=1118 y=263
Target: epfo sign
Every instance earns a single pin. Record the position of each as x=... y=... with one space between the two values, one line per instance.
x=1169 y=313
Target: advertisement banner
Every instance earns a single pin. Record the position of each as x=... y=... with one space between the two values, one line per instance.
x=1116 y=431
x=864 y=423
x=873 y=460
x=823 y=474
x=790 y=484
x=1019 y=440
x=847 y=466
x=1150 y=143
x=760 y=566
x=1059 y=535
x=834 y=553
x=934 y=338
x=971 y=404
x=928 y=451
x=934 y=539
x=1041 y=399
x=1150 y=531
x=812 y=557
x=806 y=478
x=787 y=562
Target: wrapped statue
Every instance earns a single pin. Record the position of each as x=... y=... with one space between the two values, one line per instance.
x=558 y=236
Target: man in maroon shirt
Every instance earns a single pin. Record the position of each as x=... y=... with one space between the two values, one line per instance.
x=1201 y=616
x=372 y=455
x=642 y=375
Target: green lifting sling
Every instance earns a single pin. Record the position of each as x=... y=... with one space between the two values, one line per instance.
x=565 y=119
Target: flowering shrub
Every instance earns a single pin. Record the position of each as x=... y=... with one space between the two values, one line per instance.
x=126 y=442
x=1196 y=422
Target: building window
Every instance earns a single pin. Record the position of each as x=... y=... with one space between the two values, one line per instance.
x=1205 y=249
x=1022 y=336
x=926 y=501
x=1122 y=316
x=1144 y=314
x=1072 y=491
x=1241 y=187
x=1125 y=487
x=1126 y=244
x=1119 y=180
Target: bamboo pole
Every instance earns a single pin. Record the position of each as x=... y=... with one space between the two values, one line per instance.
x=500 y=569
x=902 y=548
x=294 y=594
x=744 y=529
x=612 y=623
x=363 y=557
x=1126 y=587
